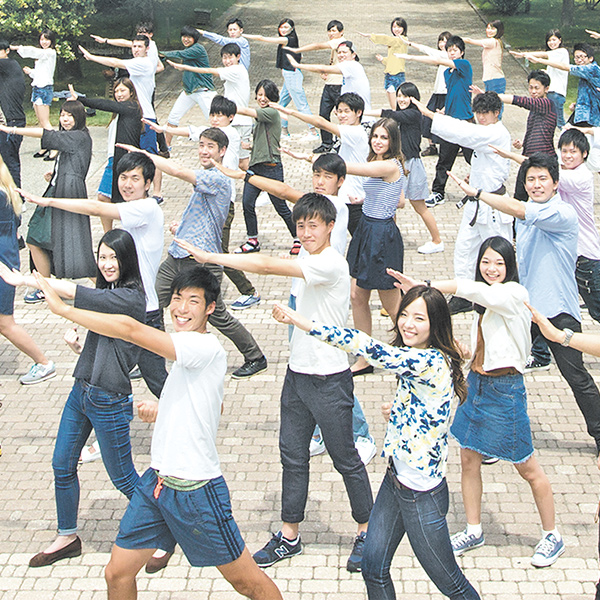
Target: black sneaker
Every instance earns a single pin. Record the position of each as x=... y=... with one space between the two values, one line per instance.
x=250 y=368
x=322 y=149
x=277 y=549
x=459 y=305
x=532 y=364
x=355 y=559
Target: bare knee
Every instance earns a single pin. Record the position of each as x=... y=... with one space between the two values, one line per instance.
x=470 y=461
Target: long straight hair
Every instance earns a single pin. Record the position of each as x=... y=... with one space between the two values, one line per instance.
x=133 y=97
x=395 y=147
x=440 y=332
x=123 y=245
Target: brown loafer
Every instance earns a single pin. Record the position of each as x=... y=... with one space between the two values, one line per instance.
x=154 y=565
x=42 y=559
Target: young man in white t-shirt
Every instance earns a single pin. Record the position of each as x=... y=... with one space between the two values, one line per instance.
x=183 y=489
x=318 y=388
x=143 y=218
x=354 y=146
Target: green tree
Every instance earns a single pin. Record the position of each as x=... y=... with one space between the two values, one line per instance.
x=67 y=18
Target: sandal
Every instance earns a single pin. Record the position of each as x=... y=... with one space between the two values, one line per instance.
x=251 y=245
x=296 y=248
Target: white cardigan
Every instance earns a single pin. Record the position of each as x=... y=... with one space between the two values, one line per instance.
x=505 y=325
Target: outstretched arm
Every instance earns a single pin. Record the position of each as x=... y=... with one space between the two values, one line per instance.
x=181 y=67
x=120 y=327
x=182 y=131
x=375 y=168
x=315 y=120
x=107 y=61
x=120 y=42
x=531 y=57
x=518 y=158
x=313 y=46
x=93 y=208
x=14 y=277
x=405 y=283
x=423 y=108
x=313 y=68
x=282 y=41
x=428 y=60
x=484 y=43
x=35 y=132
x=166 y=165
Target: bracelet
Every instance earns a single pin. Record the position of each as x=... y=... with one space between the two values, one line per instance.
x=249 y=174
x=478 y=194
x=568 y=335
x=14 y=131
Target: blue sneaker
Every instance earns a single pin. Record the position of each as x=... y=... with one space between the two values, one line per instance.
x=547 y=551
x=355 y=559
x=277 y=549
x=34 y=297
x=246 y=301
x=462 y=542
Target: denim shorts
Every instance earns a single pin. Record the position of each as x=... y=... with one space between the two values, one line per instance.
x=200 y=521
x=42 y=95
x=391 y=83
x=493 y=419
x=148 y=140
x=105 y=187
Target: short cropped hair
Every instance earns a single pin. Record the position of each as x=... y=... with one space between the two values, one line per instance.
x=540 y=160
x=575 y=137
x=335 y=23
x=314 y=205
x=231 y=49
x=487 y=102
x=4 y=44
x=140 y=37
x=216 y=135
x=222 y=106
x=353 y=101
x=540 y=76
x=332 y=163
x=133 y=160
x=235 y=21
x=585 y=48
x=456 y=41
x=197 y=277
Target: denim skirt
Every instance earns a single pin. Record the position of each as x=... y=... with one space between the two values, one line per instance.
x=493 y=420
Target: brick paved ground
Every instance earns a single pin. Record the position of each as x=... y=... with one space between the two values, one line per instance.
x=248 y=432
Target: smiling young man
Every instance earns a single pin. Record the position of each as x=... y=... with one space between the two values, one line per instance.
x=235 y=31
x=182 y=498
x=547 y=237
x=318 y=388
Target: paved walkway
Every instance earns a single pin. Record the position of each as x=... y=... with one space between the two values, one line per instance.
x=248 y=432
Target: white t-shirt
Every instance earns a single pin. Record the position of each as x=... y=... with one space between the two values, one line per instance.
x=559 y=79
x=323 y=296
x=42 y=73
x=231 y=160
x=152 y=53
x=334 y=78
x=338 y=240
x=185 y=433
x=355 y=80
x=237 y=89
x=144 y=220
x=354 y=148
x=141 y=72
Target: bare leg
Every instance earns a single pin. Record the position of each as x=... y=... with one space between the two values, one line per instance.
x=247 y=579
x=41 y=260
x=21 y=339
x=107 y=223
x=42 y=112
x=471 y=485
x=390 y=299
x=392 y=99
x=157 y=183
x=121 y=571
x=428 y=219
x=361 y=315
x=533 y=473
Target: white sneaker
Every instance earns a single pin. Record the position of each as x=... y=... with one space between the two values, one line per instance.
x=38 y=373
x=263 y=199
x=90 y=453
x=317 y=446
x=310 y=136
x=431 y=248
x=366 y=449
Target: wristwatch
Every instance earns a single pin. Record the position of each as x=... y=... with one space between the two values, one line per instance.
x=568 y=335
x=249 y=174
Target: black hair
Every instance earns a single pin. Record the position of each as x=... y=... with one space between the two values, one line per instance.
x=409 y=89
x=353 y=101
x=75 y=108
x=140 y=37
x=577 y=138
x=553 y=33
x=440 y=331
x=144 y=27
x=540 y=76
x=235 y=21
x=123 y=245
x=332 y=163
x=335 y=23
x=133 y=160
x=402 y=23
x=585 y=48
x=292 y=36
x=197 y=277
x=270 y=88
x=216 y=135
x=314 y=205
x=499 y=27
x=49 y=35
x=222 y=106
x=231 y=48
x=350 y=47
x=456 y=41
x=487 y=102
x=541 y=160
x=189 y=31
x=445 y=35
x=4 y=45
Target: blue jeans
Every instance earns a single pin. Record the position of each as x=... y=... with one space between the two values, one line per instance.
x=422 y=516
x=109 y=414
x=293 y=90
x=559 y=103
x=498 y=86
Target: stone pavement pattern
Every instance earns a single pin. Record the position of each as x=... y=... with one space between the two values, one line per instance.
x=249 y=427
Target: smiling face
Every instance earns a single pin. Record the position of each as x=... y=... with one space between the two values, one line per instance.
x=326 y=182
x=261 y=98
x=139 y=49
x=284 y=29
x=67 y=120
x=108 y=264
x=571 y=156
x=132 y=185
x=189 y=311
x=380 y=141
x=346 y=116
x=314 y=233
x=402 y=100
x=536 y=89
x=122 y=93
x=230 y=59
x=414 y=326
x=490 y=31
x=187 y=40
x=397 y=29
x=554 y=42
x=208 y=150
x=344 y=53
x=539 y=184
x=442 y=44
x=45 y=43
x=492 y=267
x=581 y=58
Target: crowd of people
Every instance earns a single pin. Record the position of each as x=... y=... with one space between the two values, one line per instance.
x=521 y=262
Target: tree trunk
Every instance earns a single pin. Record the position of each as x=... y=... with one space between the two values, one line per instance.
x=568 y=13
